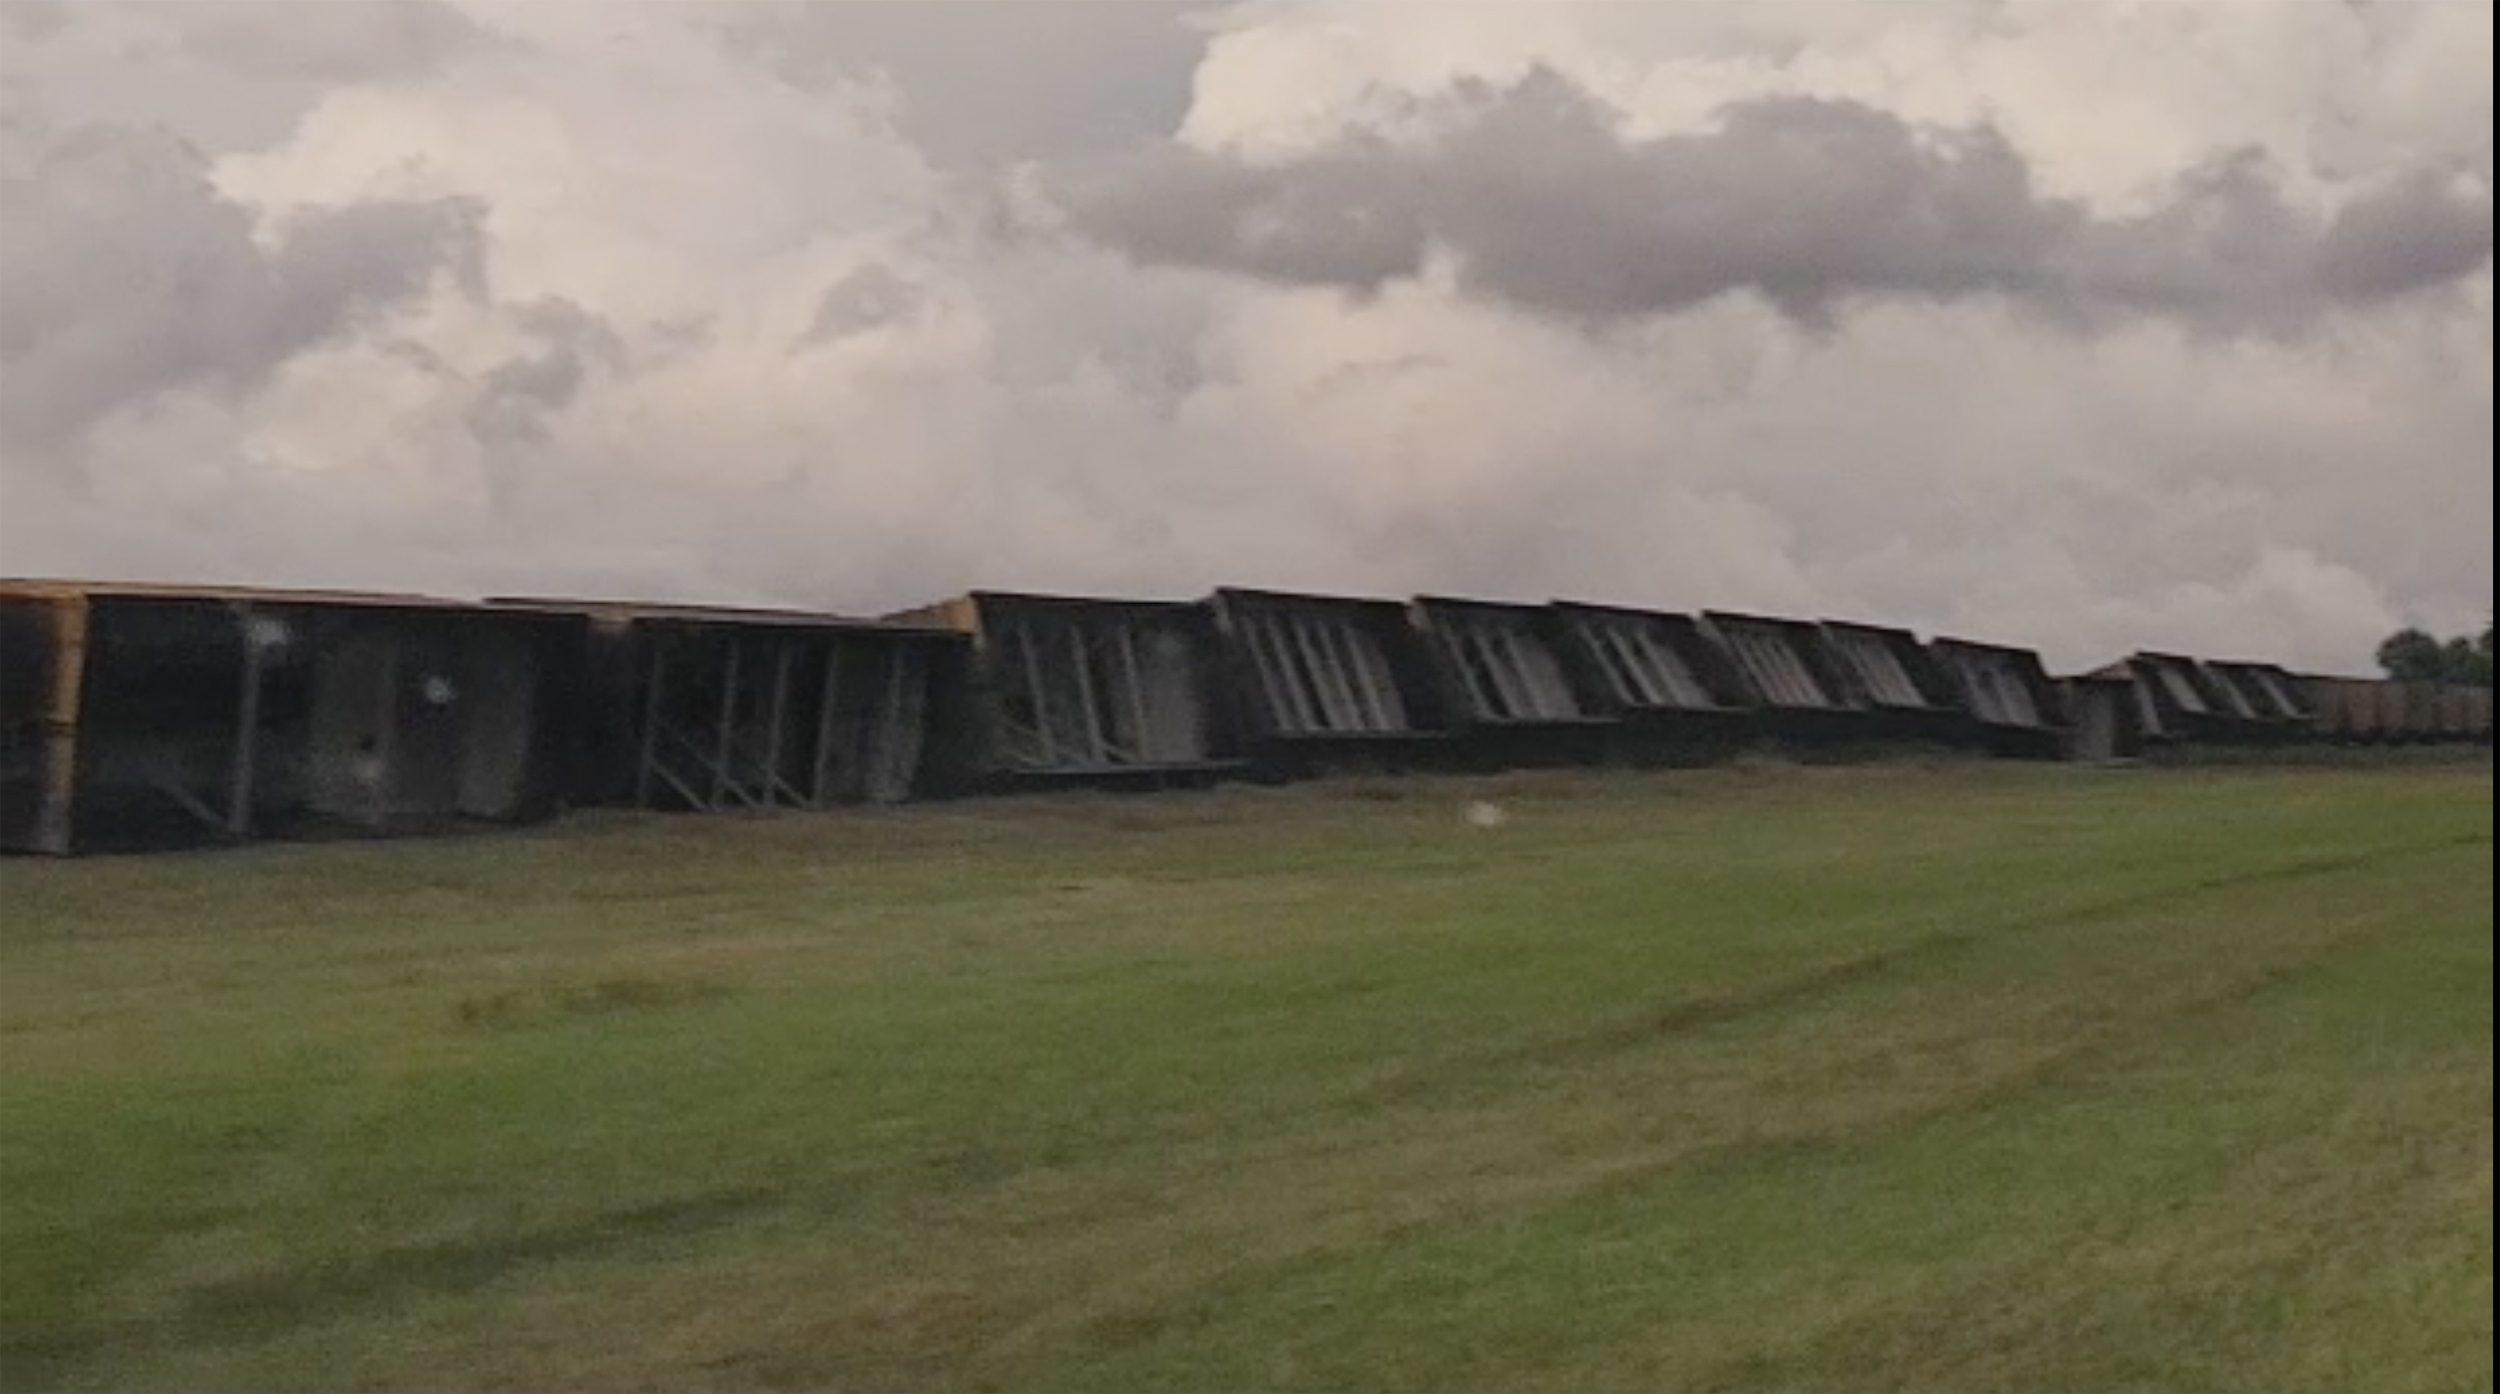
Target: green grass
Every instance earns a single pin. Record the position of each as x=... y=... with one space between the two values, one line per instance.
x=1962 y=1078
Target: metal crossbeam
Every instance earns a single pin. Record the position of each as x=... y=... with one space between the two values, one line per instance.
x=728 y=720
x=825 y=712
x=1614 y=649
x=1124 y=637
x=246 y=729
x=684 y=790
x=651 y=730
x=1267 y=653
x=1454 y=643
x=1036 y=685
x=1081 y=661
x=165 y=782
x=724 y=784
x=777 y=714
x=385 y=737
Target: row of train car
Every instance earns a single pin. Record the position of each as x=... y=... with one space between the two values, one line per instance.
x=148 y=716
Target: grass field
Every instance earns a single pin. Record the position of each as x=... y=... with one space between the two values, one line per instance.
x=1952 y=1078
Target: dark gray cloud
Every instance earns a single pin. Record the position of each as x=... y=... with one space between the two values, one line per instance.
x=987 y=81
x=512 y=402
x=1355 y=217
x=329 y=41
x=124 y=273
x=635 y=409
x=33 y=21
x=1539 y=203
x=516 y=396
x=870 y=298
x=2409 y=234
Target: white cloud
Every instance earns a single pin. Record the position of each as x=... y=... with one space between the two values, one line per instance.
x=643 y=388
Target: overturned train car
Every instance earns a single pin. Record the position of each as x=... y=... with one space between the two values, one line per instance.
x=714 y=710
x=1503 y=679
x=151 y=716
x=2375 y=711
x=1676 y=694
x=2017 y=711
x=1328 y=683
x=2181 y=702
x=1799 y=696
x=1903 y=689
x=146 y=716
x=1082 y=690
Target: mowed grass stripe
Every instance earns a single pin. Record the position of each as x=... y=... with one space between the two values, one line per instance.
x=1736 y=1080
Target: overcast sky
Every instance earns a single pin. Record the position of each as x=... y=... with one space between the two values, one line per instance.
x=2093 y=325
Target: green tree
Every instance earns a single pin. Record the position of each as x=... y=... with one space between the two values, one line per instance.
x=2466 y=663
x=2413 y=655
x=2416 y=655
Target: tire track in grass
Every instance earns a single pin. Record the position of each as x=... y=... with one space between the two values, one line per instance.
x=261 y=1304
x=1684 y=1016
x=2010 y=1072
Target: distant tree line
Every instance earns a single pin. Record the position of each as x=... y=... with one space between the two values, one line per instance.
x=2414 y=655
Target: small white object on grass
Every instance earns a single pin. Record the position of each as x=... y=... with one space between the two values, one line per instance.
x=1486 y=815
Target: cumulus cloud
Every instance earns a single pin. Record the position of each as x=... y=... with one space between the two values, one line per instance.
x=749 y=301
x=869 y=298
x=332 y=42
x=1539 y=202
x=34 y=21
x=124 y=273
x=981 y=82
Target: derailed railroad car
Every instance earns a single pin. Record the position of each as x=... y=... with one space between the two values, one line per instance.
x=1068 y=689
x=1329 y=682
x=718 y=709
x=144 y=716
